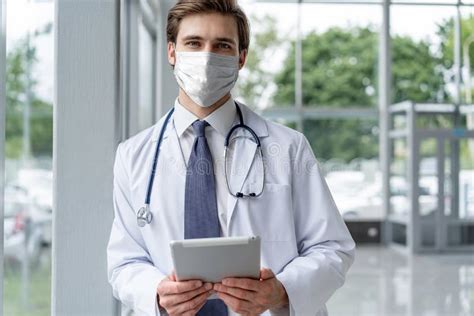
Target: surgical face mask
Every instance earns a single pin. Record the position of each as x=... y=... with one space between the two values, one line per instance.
x=206 y=77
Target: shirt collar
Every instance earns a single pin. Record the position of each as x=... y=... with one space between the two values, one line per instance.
x=221 y=119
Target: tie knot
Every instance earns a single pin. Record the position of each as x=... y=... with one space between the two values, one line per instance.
x=199 y=127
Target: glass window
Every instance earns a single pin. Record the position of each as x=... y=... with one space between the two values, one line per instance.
x=340 y=54
x=340 y=68
x=399 y=204
x=28 y=193
x=422 y=68
x=348 y=153
x=273 y=32
x=146 y=78
x=466 y=179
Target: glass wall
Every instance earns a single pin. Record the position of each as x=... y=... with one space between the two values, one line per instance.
x=267 y=80
x=28 y=193
x=322 y=62
x=146 y=77
x=422 y=53
x=326 y=63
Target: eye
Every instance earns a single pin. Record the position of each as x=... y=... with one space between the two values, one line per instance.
x=192 y=44
x=224 y=46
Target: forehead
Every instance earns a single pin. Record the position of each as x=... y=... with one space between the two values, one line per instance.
x=209 y=26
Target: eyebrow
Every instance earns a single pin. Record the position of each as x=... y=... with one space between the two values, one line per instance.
x=192 y=37
x=219 y=39
x=226 y=39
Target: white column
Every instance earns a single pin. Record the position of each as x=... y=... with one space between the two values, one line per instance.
x=87 y=128
x=2 y=132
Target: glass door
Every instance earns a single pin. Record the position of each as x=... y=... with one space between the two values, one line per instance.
x=445 y=194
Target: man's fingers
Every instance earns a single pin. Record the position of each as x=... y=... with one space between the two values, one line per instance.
x=197 y=309
x=237 y=305
x=181 y=287
x=193 y=312
x=176 y=299
x=243 y=283
x=190 y=305
x=172 y=276
x=236 y=292
x=266 y=274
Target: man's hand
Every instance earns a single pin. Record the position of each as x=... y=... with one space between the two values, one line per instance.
x=182 y=298
x=253 y=297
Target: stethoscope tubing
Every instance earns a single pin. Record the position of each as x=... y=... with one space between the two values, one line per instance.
x=156 y=156
x=144 y=215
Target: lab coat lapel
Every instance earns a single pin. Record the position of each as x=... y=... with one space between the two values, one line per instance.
x=171 y=152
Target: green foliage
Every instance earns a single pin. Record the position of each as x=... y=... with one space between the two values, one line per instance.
x=340 y=69
x=255 y=78
x=342 y=139
x=416 y=72
x=17 y=86
x=446 y=33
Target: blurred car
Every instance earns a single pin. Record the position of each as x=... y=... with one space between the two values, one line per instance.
x=26 y=226
x=39 y=185
x=358 y=199
x=466 y=194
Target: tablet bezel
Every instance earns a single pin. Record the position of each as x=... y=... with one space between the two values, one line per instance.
x=233 y=257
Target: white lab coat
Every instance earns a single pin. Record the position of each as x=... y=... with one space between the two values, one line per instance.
x=304 y=239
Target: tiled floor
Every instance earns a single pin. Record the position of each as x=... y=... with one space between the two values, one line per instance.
x=387 y=282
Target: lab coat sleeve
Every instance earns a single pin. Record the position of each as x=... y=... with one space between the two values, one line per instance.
x=325 y=246
x=132 y=275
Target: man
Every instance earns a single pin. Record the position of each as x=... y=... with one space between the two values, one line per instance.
x=306 y=247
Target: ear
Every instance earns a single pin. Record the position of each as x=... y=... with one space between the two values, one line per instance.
x=242 y=58
x=171 y=53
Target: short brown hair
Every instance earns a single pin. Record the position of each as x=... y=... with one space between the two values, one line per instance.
x=184 y=8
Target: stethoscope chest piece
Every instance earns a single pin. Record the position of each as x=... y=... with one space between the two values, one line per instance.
x=144 y=216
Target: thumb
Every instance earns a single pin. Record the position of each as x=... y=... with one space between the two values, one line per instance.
x=172 y=276
x=266 y=274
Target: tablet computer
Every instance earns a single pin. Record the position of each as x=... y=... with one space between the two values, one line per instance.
x=214 y=259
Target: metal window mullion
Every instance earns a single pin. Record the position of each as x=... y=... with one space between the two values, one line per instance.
x=133 y=79
x=455 y=145
x=3 y=106
x=384 y=115
x=299 y=69
x=154 y=75
x=365 y=3
x=166 y=86
x=414 y=225
x=440 y=226
x=124 y=69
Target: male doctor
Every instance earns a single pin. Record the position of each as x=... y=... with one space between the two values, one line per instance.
x=306 y=247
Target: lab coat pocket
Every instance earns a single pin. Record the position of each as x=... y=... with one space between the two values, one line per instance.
x=270 y=215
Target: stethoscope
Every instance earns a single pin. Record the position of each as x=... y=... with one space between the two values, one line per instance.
x=145 y=216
